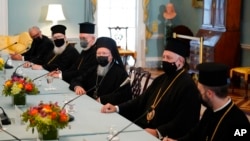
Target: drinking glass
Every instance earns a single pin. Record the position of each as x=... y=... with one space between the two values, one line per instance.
x=70 y=107
x=113 y=132
x=49 y=80
x=19 y=71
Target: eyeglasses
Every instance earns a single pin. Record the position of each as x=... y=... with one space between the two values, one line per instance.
x=35 y=36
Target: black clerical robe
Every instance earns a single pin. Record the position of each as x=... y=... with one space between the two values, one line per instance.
x=177 y=112
x=62 y=61
x=108 y=86
x=39 y=51
x=226 y=131
x=85 y=64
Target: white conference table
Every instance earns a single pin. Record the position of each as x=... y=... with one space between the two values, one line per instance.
x=89 y=124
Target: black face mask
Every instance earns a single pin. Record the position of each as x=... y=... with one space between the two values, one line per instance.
x=169 y=68
x=102 y=60
x=37 y=39
x=59 y=42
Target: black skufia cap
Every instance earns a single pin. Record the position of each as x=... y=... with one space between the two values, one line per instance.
x=178 y=46
x=87 y=27
x=58 y=29
x=213 y=74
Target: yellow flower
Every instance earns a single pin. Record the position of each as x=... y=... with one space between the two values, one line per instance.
x=1 y=63
x=20 y=85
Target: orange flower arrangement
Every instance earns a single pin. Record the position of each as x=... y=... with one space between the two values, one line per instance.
x=19 y=85
x=46 y=117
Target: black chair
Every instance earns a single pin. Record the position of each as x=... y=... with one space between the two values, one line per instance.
x=139 y=80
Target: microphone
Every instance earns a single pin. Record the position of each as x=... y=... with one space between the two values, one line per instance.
x=15 y=73
x=125 y=82
x=40 y=76
x=132 y=122
x=1 y=128
x=71 y=118
x=8 y=46
x=66 y=103
x=6 y=65
x=26 y=49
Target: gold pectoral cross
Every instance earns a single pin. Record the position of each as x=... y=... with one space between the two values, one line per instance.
x=151 y=114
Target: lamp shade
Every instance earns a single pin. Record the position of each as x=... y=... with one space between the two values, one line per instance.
x=55 y=13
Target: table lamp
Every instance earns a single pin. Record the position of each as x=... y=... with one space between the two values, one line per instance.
x=55 y=13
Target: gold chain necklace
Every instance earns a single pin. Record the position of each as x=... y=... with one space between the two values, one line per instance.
x=217 y=126
x=151 y=114
x=55 y=55
x=52 y=59
x=79 y=64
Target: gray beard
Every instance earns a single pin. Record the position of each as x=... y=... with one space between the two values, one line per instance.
x=59 y=50
x=101 y=71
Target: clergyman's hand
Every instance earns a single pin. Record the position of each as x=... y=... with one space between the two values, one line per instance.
x=152 y=131
x=16 y=56
x=108 y=108
x=36 y=67
x=168 y=139
x=79 y=90
x=55 y=74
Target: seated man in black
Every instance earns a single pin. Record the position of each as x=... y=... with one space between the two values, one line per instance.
x=87 y=60
x=222 y=119
x=63 y=55
x=39 y=50
x=106 y=79
x=171 y=104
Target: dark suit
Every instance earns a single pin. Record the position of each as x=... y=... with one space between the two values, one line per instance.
x=233 y=120
x=106 y=85
x=39 y=51
x=63 y=61
x=177 y=112
x=85 y=64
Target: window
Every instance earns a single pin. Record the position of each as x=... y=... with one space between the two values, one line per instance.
x=122 y=13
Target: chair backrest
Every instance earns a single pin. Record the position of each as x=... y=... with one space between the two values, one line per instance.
x=140 y=79
x=119 y=34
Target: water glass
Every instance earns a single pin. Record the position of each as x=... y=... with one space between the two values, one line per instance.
x=49 y=80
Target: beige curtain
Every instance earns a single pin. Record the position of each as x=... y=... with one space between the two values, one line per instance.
x=94 y=3
x=145 y=18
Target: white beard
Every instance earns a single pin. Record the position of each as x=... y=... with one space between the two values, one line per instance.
x=101 y=71
x=59 y=50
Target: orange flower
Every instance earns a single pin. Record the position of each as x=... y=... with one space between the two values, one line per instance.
x=8 y=83
x=33 y=112
x=53 y=115
x=63 y=118
x=46 y=108
x=28 y=87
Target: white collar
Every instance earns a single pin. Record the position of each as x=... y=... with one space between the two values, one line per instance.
x=216 y=110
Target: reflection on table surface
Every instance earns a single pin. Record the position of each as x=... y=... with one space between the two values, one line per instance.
x=89 y=124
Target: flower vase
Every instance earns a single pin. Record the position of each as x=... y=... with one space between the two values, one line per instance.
x=52 y=134
x=19 y=99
